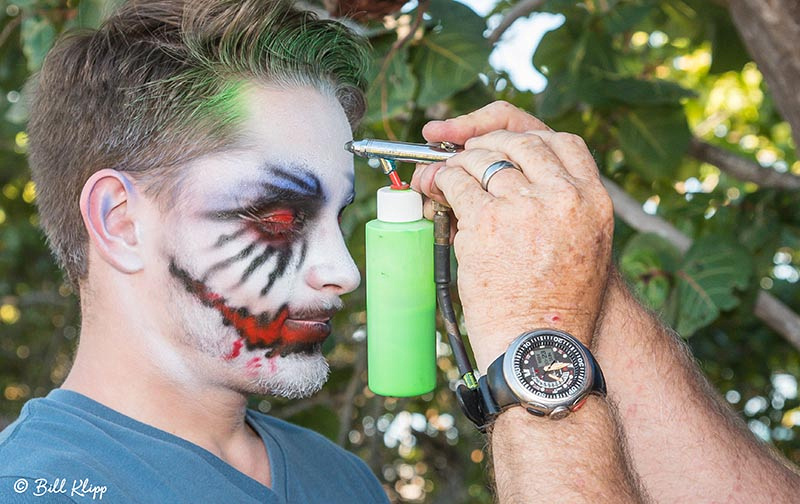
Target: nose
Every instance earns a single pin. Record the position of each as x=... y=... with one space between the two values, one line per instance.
x=329 y=265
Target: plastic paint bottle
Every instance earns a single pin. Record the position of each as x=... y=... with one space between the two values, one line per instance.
x=401 y=297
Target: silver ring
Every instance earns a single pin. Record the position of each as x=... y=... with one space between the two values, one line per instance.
x=494 y=168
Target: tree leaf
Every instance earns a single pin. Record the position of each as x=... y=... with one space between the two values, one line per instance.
x=392 y=85
x=624 y=17
x=644 y=92
x=654 y=140
x=711 y=272
x=549 y=56
x=450 y=57
x=559 y=96
x=38 y=35
x=576 y=77
x=648 y=261
x=728 y=52
x=91 y=13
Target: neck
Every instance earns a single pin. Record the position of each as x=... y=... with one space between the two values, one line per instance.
x=132 y=368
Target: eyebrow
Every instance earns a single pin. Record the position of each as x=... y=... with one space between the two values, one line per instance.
x=295 y=184
x=300 y=181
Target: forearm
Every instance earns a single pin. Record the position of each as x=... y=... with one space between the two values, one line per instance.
x=685 y=443
x=576 y=459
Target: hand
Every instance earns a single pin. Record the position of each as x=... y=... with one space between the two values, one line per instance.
x=534 y=250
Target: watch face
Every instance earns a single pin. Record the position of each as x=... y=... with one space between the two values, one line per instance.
x=549 y=365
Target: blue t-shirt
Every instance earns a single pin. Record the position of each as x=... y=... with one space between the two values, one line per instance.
x=71 y=449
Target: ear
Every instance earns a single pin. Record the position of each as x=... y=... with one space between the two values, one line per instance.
x=108 y=208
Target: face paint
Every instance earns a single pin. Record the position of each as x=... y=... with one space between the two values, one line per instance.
x=253 y=249
x=275 y=224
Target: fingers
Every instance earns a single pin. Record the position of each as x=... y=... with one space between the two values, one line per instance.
x=422 y=181
x=477 y=161
x=539 y=164
x=545 y=152
x=461 y=190
x=574 y=155
x=497 y=115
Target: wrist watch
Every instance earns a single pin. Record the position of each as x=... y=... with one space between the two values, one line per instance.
x=548 y=372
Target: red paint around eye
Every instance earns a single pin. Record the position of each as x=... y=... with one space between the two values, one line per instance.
x=280 y=217
x=277 y=225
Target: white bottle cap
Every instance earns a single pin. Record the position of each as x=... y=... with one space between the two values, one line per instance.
x=395 y=205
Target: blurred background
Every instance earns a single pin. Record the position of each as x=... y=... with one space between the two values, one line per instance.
x=690 y=110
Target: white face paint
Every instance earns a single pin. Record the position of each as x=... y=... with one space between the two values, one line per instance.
x=253 y=252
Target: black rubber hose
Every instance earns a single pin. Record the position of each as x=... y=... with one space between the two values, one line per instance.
x=441 y=268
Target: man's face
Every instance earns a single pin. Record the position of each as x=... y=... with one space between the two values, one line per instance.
x=253 y=250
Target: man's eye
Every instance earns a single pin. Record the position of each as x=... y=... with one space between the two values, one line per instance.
x=281 y=217
x=277 y=225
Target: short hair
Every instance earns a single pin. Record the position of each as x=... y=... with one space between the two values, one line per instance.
x=156 y=86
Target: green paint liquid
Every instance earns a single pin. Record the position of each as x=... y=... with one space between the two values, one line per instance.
x=401 y=302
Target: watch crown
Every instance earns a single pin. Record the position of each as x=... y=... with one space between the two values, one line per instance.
x=559 y=412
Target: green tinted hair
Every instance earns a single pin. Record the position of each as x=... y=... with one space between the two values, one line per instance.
x=158 y=85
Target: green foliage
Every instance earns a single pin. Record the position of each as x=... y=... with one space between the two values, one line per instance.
x=636 y=78
x=392 y=84
x=451 y=56
x=648 y=262
x=712 y=270
x=654 y=140
x=38 y=35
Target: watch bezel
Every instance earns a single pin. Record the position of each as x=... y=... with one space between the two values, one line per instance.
x=538 y=402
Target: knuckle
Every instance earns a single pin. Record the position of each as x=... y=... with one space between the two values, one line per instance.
x=570 y=196
x=570 y=138
x=501 y=105
x=442 y=175
x=526 y=141
x=605 y=206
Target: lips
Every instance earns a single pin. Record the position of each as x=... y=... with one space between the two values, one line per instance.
x=306 y=326
x=305 y=331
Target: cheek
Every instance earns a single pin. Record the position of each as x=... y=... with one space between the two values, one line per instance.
x=249 y=271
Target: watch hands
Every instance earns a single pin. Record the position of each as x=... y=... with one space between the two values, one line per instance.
x=555 y=366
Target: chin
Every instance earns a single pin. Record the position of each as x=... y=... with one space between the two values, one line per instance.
x=292 y=376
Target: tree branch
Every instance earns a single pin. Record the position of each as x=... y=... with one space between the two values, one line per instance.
x=630 y=211
x=522 y=9
x=771 y=310
x=9 y=28
x=770 y=29
x=740 y=167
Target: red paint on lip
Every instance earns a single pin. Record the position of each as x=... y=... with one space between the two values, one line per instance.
x=281 y=329
x=257 y=331
x=305 y=331
x=254 y=363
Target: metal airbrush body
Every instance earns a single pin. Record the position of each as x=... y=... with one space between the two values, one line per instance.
x=403 y=151
x=388 y=153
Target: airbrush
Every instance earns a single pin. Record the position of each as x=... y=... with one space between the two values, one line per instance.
x=400 y=266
